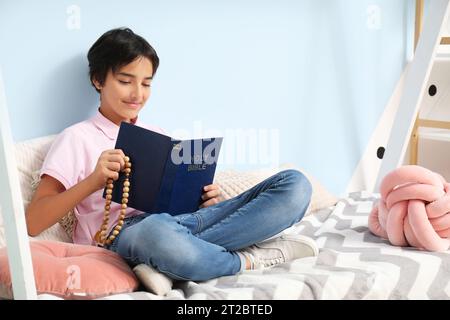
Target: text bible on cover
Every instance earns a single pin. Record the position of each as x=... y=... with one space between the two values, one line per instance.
x=168 y=175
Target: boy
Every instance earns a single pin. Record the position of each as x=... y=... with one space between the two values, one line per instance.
x=216 y=240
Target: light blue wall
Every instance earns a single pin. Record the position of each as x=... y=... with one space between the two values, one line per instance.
x=317 y=73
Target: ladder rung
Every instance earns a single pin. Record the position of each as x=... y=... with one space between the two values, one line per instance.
x=445 y=40
x=434 y=124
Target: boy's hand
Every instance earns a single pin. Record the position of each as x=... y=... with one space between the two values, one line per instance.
x=109 y=164
x=211 y=195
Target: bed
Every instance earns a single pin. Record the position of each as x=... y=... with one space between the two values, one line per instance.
x=352 y=262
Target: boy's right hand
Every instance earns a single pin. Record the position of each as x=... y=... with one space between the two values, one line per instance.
x=109 y=164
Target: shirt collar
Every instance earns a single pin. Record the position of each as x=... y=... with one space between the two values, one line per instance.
x=109 y=128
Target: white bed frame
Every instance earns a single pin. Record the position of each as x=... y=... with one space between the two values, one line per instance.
x=399 y=121
x=414 y=88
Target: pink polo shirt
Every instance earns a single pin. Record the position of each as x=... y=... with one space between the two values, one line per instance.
x=72 y=157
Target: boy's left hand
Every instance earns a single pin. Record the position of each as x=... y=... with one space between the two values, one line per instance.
x=211 y=195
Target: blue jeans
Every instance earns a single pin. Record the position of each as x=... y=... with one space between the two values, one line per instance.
x=202 y=245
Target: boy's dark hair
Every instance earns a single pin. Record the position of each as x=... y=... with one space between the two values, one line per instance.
x=115 y=49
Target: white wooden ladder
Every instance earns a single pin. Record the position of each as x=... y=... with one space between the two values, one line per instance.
x=11 y=209
x=414 y=87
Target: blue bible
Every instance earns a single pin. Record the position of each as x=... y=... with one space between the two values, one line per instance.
x=167 y=175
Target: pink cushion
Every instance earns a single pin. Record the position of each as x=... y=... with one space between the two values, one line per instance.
x=72 y=271
x=413 y=209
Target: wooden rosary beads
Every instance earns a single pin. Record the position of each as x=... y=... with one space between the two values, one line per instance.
x=101 y=236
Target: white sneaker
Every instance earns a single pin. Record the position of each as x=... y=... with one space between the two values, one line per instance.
x=279 y=250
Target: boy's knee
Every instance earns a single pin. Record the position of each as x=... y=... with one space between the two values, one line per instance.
x=301 y=184
x=299 y=195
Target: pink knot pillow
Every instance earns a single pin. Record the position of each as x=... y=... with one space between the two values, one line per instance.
x=414 y=209
x=72 y=271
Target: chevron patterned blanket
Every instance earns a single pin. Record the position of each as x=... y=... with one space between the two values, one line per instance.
x=352 y=264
